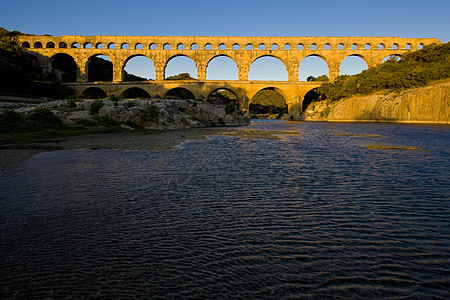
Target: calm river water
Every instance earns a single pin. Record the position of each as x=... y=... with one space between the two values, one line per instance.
x=273 y=210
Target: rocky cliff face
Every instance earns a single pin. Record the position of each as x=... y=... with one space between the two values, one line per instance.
x=429 y=104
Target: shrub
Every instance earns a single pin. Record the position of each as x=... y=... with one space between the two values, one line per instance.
x=150 y=113
x=325 y=112
x=10 y=116
x=129 y=104
x=114 y=99
x=72 y=102
x=45 y=116
x=95 y=106
x=230 y=108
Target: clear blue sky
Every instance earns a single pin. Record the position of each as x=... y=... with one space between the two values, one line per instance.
x=405 y=18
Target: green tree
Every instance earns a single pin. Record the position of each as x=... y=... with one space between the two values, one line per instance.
x=182 y=76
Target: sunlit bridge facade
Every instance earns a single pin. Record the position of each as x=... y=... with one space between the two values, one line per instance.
x=79 y=59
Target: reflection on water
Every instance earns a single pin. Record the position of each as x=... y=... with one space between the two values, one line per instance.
x=227 y=216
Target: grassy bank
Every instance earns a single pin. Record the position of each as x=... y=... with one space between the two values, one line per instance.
x=43 y=124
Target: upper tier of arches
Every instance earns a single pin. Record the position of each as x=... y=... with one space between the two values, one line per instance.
x=224 y=43
x=244 y=51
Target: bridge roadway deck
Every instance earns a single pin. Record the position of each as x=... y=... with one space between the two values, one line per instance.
x=293 y=92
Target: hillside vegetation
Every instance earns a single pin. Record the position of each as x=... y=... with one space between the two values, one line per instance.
x=414 y=69
x=20 y=75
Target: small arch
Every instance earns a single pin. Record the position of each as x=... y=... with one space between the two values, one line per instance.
x=25 y=45
x=236 y=47
x=75 y=45
x=153 y=46
x=139 y=46
x=194 y=46
x=50 y=45
x=381 y=46
x=300 y=47
x=262 y=47
x=408 y=46
x=179 y=93
x=354 y=46
x=222 y=47
x=313 y=46
x=180 y=46
x=249 y=47
x=99 y=46
x=124 y=46
x=111 y=46
x=37 y=45
x=208 y=47
x=93 y=93
x=327 y=46
x=167 y=46
x=274 y=47
x=367 y=46
x=394 y=46
x=135 y=93
x=87 y=45
x=222 y=96
x=287 y=47
x=420 y=46
x=340 y=46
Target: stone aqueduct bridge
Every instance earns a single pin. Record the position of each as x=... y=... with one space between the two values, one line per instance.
x=243 y=50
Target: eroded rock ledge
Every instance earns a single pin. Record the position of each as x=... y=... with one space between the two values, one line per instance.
x=430 y=104
x=149 y=114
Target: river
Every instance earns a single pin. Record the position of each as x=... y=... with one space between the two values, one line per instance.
x=273 y=210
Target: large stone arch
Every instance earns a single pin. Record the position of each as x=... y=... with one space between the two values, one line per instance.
x=282 y=93
x=235 y=99
x=64 y=66
x=270 y=56
x=181 y=55
x=324 y=58
x=364 y=59
x=127 y=60
x=390 y=55
x=89 y=71
x=211 y=58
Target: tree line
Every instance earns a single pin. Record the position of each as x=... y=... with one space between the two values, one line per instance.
x=414 y=69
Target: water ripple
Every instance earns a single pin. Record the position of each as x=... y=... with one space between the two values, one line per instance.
x=307 y=215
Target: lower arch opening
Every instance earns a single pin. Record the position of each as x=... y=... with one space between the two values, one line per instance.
x=135 y=93
x=223 y=96
x=93 y=93
x=179 y=93
x=268 y=104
